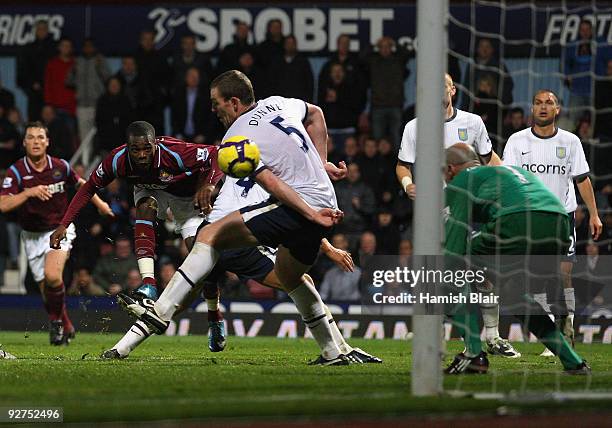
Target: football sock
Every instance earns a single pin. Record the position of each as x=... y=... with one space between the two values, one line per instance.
x=570 y=300
x=55 y=304
x=144 y=242
x=211 y=294
x=344 y=347
x=311 y=308
x=196 y=266
x=137 y=334
x=546 y=330
x=542 y=300
x=490 y=317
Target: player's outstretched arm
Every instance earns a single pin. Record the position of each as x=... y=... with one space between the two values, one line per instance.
x=404 y=176
x=82 y=197
x=586 y=192
x=342 y=258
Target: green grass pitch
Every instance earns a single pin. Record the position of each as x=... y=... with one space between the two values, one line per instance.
x=178 y=378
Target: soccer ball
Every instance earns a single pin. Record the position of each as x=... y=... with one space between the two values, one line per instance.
x=238 y=156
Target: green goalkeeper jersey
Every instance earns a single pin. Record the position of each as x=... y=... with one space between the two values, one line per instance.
x=485 y=193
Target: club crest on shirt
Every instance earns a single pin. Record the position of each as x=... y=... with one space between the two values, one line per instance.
x=8 y=182
x=57 y=174
x=561 y=152
x=463 y=134
x=165 y=176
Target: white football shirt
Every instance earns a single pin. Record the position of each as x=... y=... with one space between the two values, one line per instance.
x=275 y=125
x=236 y=194
x=556 y=160
x=461 y=127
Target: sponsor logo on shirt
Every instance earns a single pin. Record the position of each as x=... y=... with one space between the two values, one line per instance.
x=202 y=155
x=56 y=187
x=561 y=152
x=463 y=134
x=538 y=168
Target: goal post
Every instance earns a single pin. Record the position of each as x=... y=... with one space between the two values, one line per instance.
x=431 y=66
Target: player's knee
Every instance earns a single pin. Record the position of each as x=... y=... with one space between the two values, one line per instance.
x=146 y=208
x=52 y=278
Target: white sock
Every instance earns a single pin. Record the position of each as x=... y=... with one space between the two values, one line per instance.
x=146 y=266
x=197 y=265
x=542 y=300
x=311 y=308
x=570 y=300
x=344 y=347
x=137 y=334
x=490 y=318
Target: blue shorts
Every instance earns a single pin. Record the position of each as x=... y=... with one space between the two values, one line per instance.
x=274 y=224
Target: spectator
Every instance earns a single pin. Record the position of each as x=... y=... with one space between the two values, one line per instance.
x=229 y=58
x=188 y=57
x=133 y=281
x=166 y=271
x=486 y=63
x=14 y=116
x=7 y=100
x=579 y=65
x=88 y=75
x=61 y=138
x=135 y=88
x=111 y=271
x=10 y=142
x=388 y=160
x=353 y=70
x=192 y=117
x=387 y=233
x=339 y=100
x=351 y=150
x=603 y=105
x=156 y=76
x=357 y=201
x=333 y=155
x=386 y=74
x=268 y=52
x=248 y=65
x=582 y=230
x=84 y=285
x=113 y=115
x=485 y=104
x=339 y=285
x=371 y=167
x=292 y=73
x=405 y=248
x=31 y=68
x=516 y=123
x=57 y=93
x=367 y=249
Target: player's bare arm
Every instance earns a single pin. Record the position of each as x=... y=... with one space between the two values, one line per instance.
x=12 y=202
x=586 y=192
x=317 y=131
x=280 y=190
x=493 y=159
x=403 y=171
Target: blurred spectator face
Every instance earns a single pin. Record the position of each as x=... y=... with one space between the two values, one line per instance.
x=353 y=173
x=343 y=44
x=290 y=46
x=592 y=249
x=83 y=278
x=64 y=48
x=370 y=148
x=385 y=219
x=89 y=49
x=123 y=248
x=350 y=146
x=47 y=114
x=165 y=273
x=188 y=44
x=405 y=247
x=367 y=243
x=385 y=47
x=147 y=40
x=192 y=78
x=42 y=30
x=484 y=50
x=242 y=31
x=128 y=65
x=585 y=31
x=275 y=29
x=337 y=74
x=340 y=241
x=584 y=130
x=486 y=86
x=517 y=119
x=133 y=280
x=246 y=61
x=385 y=147
x=113 y=86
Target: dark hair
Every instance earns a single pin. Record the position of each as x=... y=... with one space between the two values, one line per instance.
x=542 y=91
x=234 y=83
x=140 y=128
x=517 y=110
x=38 y=124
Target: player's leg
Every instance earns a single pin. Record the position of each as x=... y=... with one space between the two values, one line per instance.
x=567 y=320
x=61 y=330
x=290 y=272
x=144 y=241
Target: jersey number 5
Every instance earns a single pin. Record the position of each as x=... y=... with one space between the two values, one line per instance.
x=290 y=130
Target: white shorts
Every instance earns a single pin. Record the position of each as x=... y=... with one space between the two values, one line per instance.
x=186 y=217
x=36 y=246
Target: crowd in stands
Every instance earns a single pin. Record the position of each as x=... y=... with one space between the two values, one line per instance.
x=361 y=95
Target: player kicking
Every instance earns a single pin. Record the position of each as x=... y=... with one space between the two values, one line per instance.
x=250 y=263
x=519 y=216
x=557 y=158
x=459 y=127
x=166 y=173
x=35 y=186
x=291 y=136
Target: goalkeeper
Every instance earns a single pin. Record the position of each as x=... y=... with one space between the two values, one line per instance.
x=519 y=216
